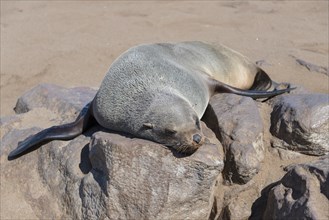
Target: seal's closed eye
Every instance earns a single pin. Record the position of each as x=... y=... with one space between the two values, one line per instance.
x=170 y=131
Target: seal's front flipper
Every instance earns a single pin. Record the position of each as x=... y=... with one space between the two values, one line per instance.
x=219 y=87
x=60 y=132
x=30 y=143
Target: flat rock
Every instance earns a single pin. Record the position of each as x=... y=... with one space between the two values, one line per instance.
x=301 y=123
x=237 y=123
x=301 y=194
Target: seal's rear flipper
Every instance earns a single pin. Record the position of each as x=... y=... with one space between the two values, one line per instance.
x=60 y=132
x=219 y=87
x=261 y=81
x=278 y=86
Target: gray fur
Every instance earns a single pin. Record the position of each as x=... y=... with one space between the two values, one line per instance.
x=147 y=84
x=167 y=85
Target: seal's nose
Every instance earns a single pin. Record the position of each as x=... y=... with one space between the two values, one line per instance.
x=197 y=138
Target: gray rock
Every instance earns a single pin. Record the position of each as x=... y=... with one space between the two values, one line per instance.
x=287 y=154
x=62 y=166
x=117 y=177
x=302 y=193
x=237 y=201
x=138 y=179
x=112 y=176
x=23 y=194
x=63 y=101
x=312 y=67
x=302 y=123
x=237 y=123
x=108 y=176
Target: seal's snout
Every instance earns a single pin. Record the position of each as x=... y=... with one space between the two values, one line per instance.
x=197 y=138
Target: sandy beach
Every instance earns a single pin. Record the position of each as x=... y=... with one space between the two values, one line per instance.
x=73 y=43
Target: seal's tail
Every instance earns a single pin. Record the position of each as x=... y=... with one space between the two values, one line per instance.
x=60 y=132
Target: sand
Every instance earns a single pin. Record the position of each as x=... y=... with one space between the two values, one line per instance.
x=73 y=43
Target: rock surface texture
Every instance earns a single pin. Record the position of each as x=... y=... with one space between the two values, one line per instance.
x=302 y=193
x=301 y=122
x=238 y=125
x=138 y=179
x=65 y=102
x=106 y=175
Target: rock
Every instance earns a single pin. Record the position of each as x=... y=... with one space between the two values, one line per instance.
x=62 y=166
x=238 y=200
x=287 y=154
x=301 y=194
x=238 y=125
x=302 y=123
x=138 y=179
x=122 y=178
x=23 y=194
x=312 y=67
x=102 y=175
x=63 y=101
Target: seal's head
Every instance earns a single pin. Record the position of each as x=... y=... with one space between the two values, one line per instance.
x=173 y=123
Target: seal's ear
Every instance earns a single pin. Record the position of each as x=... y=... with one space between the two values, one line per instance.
x=148 y=125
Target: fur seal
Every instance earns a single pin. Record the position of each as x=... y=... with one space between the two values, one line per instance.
x=160 y=92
